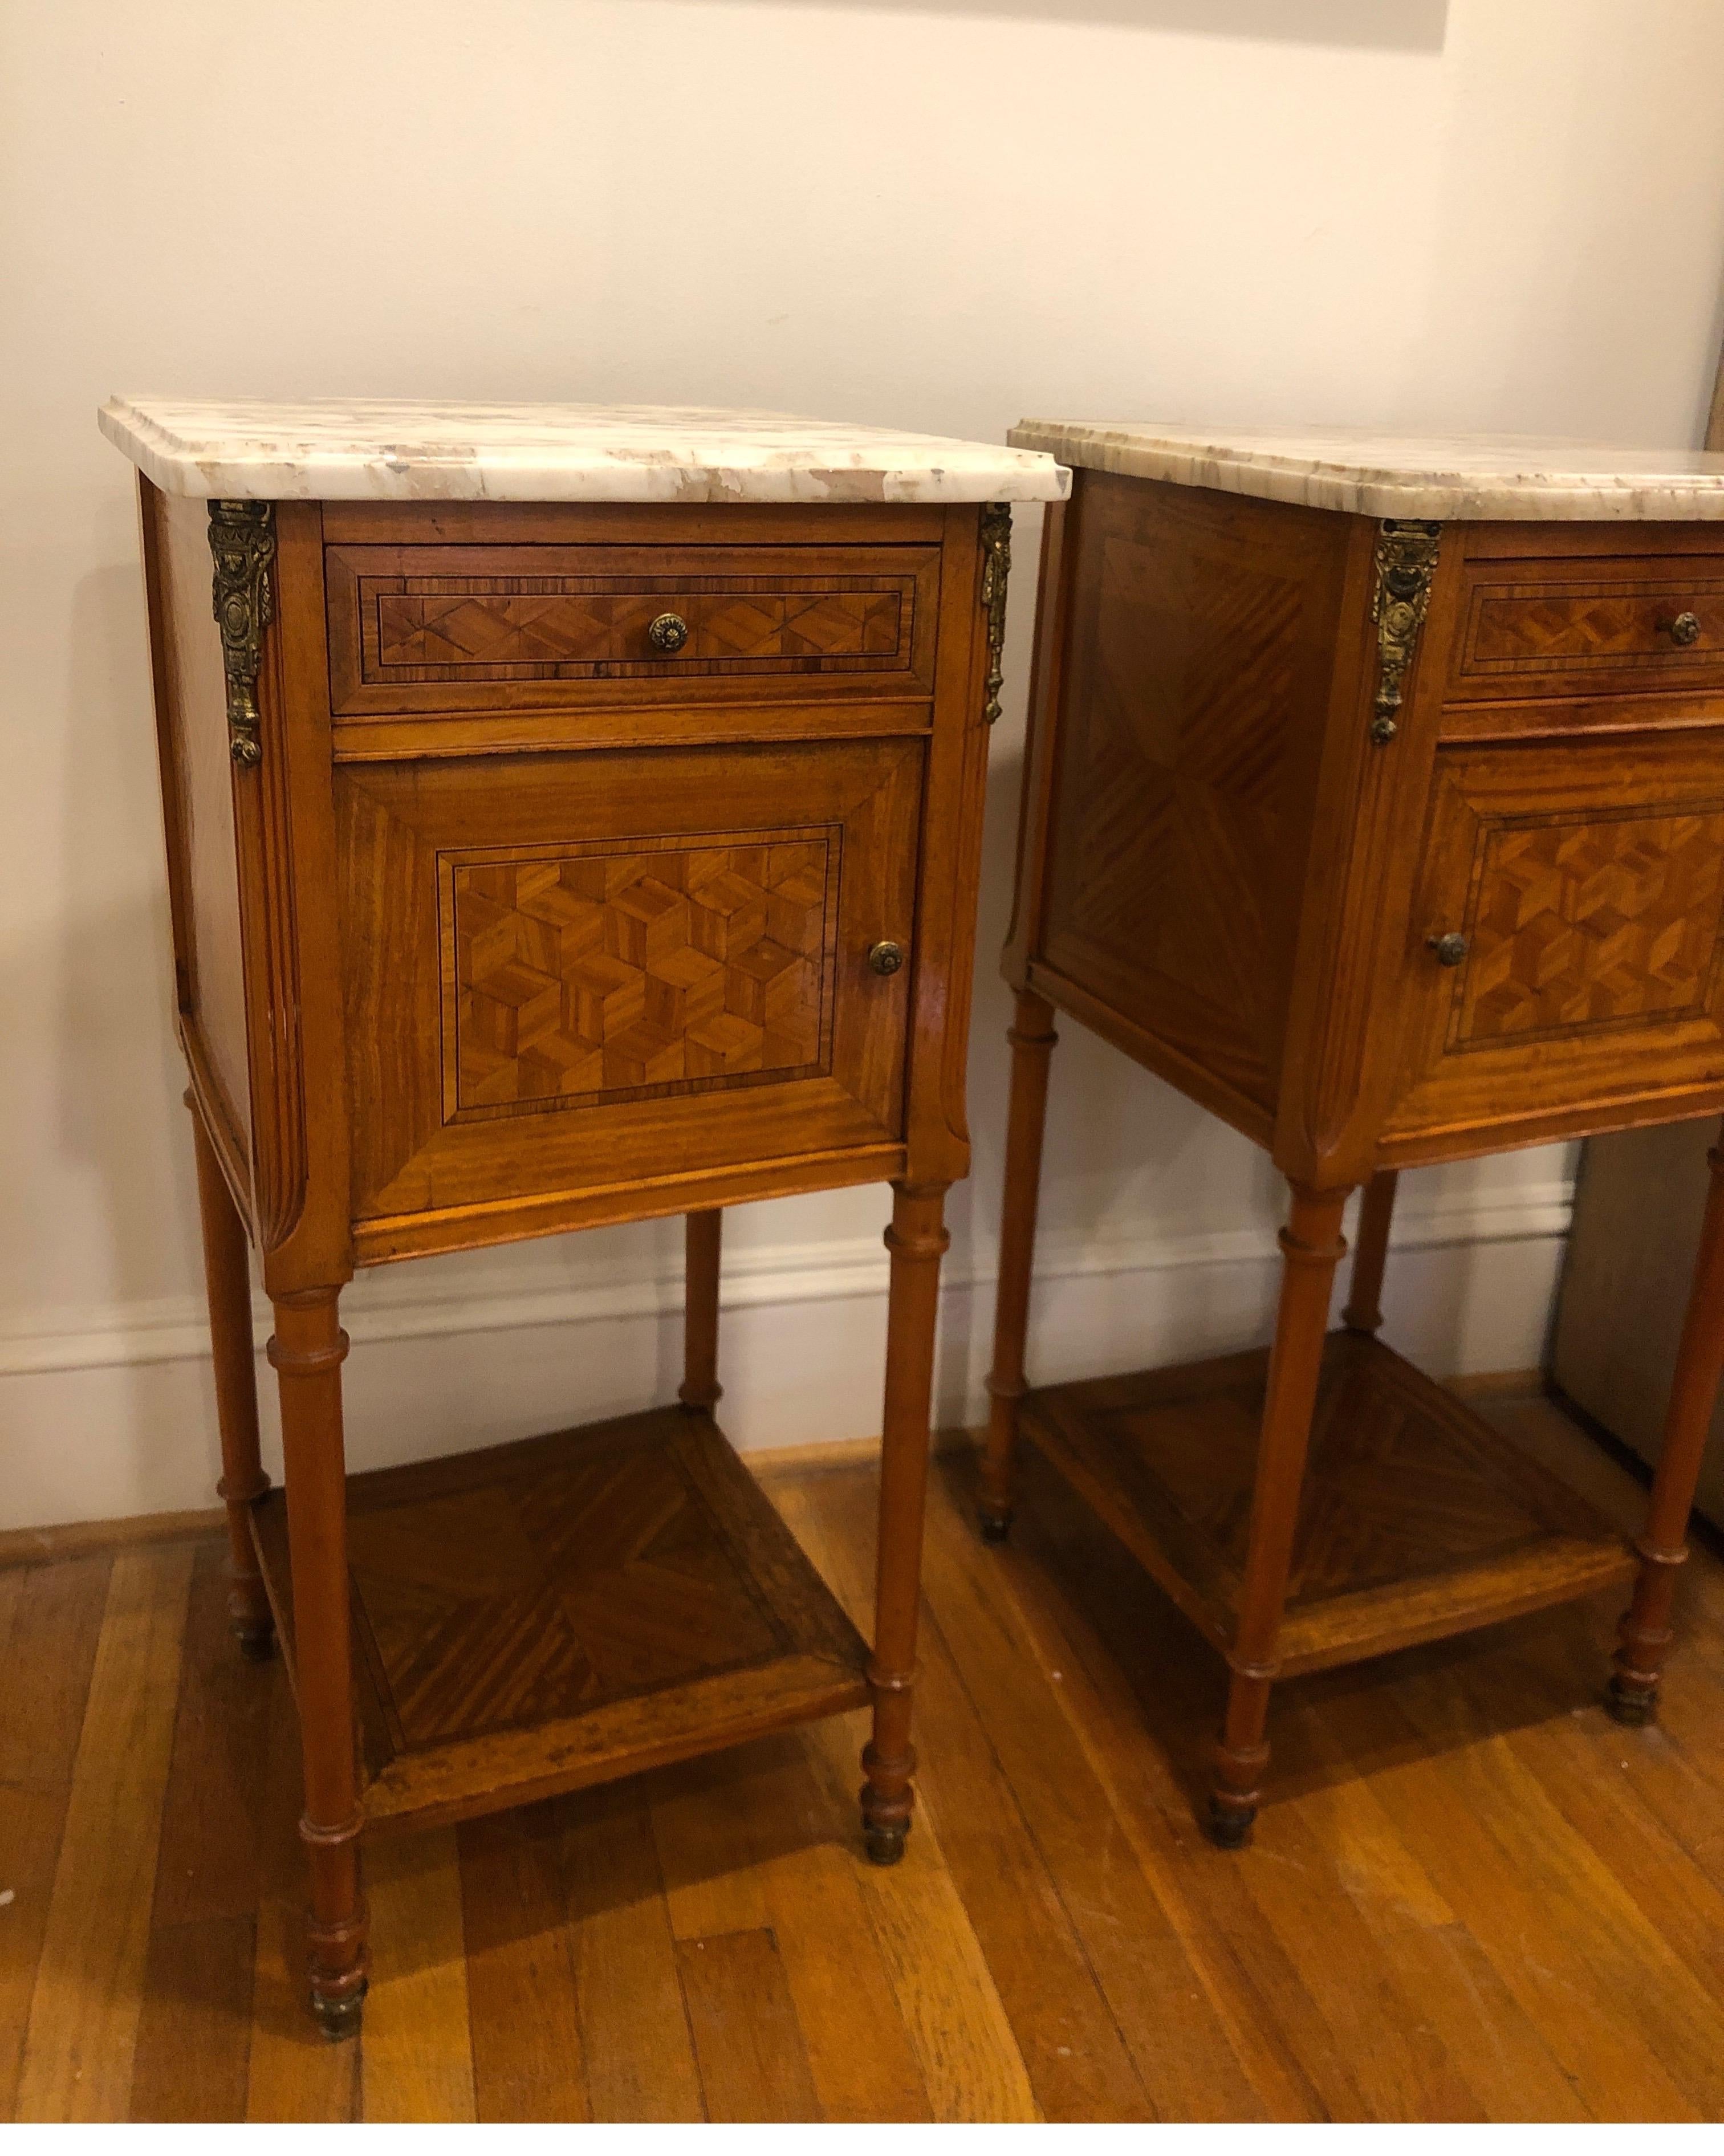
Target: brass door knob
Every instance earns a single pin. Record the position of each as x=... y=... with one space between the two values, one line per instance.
x=1450 y=949
x=887 y=957
x=667 y=632
x=1684 y=629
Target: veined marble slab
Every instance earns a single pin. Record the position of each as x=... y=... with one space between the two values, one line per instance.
x=1373 y=474
x=410 y=451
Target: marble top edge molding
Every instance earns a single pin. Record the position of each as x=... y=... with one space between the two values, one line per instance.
x=409 y=451
x=1370 y=474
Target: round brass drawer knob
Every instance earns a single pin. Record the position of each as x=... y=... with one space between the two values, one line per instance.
x=667 y=632
x=1686 y=629
x=1450 y=949
x=887 y=957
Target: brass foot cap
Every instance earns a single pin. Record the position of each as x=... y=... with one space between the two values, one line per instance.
x=1634 y=1709
x=884 y=1844
x=339 y=2018
x=1230 y=1828
x=996 y=1527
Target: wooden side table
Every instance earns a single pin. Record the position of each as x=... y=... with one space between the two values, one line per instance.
x=1375 y=799
x=572 y=817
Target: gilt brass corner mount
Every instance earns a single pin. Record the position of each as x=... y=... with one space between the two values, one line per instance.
x=242 y=539
x=997 y=568
x=1406 y=566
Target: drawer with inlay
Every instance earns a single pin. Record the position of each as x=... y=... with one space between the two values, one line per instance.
x=428 y=629
x=1587 y=626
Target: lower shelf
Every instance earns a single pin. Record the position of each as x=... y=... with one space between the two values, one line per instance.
x=544 y=1615
x=1416 y=1520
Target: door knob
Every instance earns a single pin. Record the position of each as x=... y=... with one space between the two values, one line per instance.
x=887 y=957
x=1450 y=949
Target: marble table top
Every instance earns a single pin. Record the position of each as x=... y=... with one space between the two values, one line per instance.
x=1374 y=474
x=389 y=451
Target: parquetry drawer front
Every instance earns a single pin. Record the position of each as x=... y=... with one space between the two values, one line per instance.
x=1588 y=626
x=466 y=629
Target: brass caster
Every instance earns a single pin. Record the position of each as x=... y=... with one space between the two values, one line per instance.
x=884 y=1844
x=1229 y=1826
x=1633 y=1708
x=338 y=2019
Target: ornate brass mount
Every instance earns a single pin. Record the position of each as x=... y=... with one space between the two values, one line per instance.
x=242 y=539
x=997 y=568
x=1406 y=564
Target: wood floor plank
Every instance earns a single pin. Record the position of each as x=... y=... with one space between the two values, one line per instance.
x=527 y=2055
x=1063 y=2028
x=194 y=2053
x=194 y=2036
x=1162 y=2005
x=1439 y=1968
x=50 y=1621
x=761 y=1815
x=1126 y=1637
x=209 y=1861
x=1401 y=2066
x=1677 y=2010
x=295 y=2075
x=415 y=2051
x=89 y=1992
x=1443 y=1815
x=968 y=2056
x=748 y=2043
x=639 y=2051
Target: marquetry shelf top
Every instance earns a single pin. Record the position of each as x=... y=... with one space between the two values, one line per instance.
x=1373 y=474
x=391 y=451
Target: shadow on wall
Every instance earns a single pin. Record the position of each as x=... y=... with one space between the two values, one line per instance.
x=1418 y=26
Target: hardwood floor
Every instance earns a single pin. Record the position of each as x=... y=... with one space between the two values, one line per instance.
x=1471 y=1896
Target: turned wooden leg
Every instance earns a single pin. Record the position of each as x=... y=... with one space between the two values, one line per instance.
x=1364 y=1298
x=227 y=1276
x=1644 y=1635
x=700 y=1391
x=1311 y=1247
x=1032 y=1037
x=307 y=1350
x=917 y=1240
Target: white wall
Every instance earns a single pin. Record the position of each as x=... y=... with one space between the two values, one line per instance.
x=1479 y=216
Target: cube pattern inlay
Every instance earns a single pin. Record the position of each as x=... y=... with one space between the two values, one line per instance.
x=1581 y=923
x=599 y=975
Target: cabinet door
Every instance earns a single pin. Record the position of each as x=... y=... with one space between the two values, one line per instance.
x=572 y=974
x=1580 y=889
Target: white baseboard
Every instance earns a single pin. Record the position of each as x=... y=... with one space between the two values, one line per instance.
x=109 y=1411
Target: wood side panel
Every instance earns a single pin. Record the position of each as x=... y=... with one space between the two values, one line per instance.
x=1041 y=737
x=198 y=775
x=1196 y=688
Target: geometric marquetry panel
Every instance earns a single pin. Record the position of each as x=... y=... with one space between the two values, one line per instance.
x=558 y=1611
x=1585 y=921
x=1178 y=779
x=500 y=627
x=1406 y=1494
x=641 y=968
x=515 y=1602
